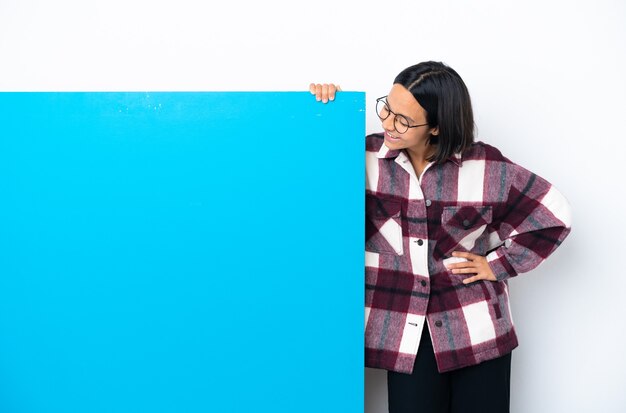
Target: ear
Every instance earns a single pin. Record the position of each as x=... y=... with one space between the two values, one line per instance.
x=435 y=131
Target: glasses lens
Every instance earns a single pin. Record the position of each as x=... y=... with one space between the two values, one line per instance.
x=401 y=124
x=382 y=109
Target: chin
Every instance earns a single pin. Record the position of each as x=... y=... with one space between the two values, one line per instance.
x=394 y=145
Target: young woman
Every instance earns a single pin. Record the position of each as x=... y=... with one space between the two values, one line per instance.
x=448 y=222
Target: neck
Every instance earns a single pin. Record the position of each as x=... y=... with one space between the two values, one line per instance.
x=419 y=157
x=421 y=153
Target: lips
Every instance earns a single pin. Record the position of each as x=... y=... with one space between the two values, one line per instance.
x=391 y=138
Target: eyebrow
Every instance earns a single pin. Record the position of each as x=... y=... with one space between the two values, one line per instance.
x=408 y=117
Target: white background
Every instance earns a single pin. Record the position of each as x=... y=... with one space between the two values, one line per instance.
x=547 y=83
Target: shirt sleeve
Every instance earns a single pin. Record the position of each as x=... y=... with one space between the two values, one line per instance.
x=535 y=221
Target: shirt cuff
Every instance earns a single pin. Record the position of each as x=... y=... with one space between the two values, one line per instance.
x=500 y=265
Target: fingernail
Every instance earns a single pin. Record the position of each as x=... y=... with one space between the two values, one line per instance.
x=332 y=98
x=325 y=100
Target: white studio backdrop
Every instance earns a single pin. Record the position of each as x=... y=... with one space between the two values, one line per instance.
x=547 y=83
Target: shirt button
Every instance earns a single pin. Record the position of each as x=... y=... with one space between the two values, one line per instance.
x=423 y=283
x=428 y=202
x=420 y=242
x=466 y=223
x=438 y=323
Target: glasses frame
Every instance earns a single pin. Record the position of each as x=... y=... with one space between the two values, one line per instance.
x=383 y=100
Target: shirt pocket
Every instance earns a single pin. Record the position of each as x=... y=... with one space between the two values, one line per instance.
x=383 y=225
x=462 y=226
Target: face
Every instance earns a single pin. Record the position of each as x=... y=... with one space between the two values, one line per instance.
x=402 y=102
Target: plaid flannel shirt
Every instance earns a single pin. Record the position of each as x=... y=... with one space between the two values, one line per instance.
x=478 y=202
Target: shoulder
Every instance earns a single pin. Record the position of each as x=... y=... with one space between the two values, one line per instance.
x=481 y=151
x=496 y=170
x=499 y=171
x=374 y=142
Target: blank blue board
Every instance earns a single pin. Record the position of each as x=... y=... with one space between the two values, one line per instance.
x=181 y=252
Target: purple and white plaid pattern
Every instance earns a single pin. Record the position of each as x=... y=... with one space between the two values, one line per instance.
x=479 y=202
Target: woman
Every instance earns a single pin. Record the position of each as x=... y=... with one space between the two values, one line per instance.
x=448 y=222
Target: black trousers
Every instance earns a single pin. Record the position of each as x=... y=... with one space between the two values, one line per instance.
x=483 y=388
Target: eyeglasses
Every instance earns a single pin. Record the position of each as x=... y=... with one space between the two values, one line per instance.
x=400 y=122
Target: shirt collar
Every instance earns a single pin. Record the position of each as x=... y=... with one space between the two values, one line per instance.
x=386 y=153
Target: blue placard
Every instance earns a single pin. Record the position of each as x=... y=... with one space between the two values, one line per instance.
x=181 y=252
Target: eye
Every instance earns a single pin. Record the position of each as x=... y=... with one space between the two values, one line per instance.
x=402 y=120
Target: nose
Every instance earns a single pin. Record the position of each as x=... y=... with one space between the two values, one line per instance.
x=388 y=124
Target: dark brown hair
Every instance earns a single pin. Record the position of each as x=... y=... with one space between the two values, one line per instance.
x=443 y=94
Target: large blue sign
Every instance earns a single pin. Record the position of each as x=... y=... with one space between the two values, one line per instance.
x=181 y=252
